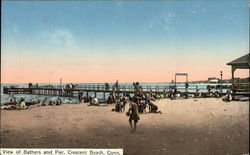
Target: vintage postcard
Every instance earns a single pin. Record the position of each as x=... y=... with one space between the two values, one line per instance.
x=137 y=77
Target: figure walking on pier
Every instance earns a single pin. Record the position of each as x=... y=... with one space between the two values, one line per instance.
x=106 y=86
x=117 y=85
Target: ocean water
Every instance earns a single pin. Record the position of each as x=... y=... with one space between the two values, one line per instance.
x=146 y=86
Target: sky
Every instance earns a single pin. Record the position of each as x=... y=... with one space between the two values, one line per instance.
x=105 y=41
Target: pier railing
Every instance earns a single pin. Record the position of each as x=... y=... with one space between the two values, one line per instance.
x=62 y=90
x=147 y=88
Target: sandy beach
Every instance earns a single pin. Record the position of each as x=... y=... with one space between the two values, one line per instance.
x=190 y=126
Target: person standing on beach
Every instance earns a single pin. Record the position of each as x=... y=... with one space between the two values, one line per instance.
x=80 y=97
x=133 y=116
x=124 y=101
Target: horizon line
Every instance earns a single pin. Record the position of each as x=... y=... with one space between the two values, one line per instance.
x=104 y=82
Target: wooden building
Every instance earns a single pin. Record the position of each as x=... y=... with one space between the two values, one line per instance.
x=240 y=63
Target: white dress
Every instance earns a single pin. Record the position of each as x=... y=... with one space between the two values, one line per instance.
x=23 y=105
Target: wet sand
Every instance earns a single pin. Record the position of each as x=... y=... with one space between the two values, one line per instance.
x=191 y=126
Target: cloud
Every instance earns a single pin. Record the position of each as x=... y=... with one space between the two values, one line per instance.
x=60 y=36
x=198 y=8
x=164 y=21
x=194 y=12
x=16 y=30
x=119 y=2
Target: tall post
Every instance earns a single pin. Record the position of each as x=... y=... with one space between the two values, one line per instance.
x=175 y=81
x=233 y=69
x=61 y=83
x=221 y=73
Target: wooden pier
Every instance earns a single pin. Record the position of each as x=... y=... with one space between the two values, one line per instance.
x=39 y=91
x=58 y=90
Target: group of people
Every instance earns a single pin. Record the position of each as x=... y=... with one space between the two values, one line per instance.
x=174 y=94
x=114 y=87
x=228 y=97
x=142 y=100
x=137 y=104
x=94 y=101
x=15 y=105
x=120 y=102
x=49 y=103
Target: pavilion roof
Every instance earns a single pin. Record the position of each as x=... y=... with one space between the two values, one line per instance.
x=243 y=62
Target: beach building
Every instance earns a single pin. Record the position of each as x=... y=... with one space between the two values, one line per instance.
x=240 y=63
x=213 y=80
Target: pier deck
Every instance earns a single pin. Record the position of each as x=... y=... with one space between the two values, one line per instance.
x=49 y=90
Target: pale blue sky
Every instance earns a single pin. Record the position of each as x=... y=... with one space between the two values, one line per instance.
x=203 y=29
x=163 y=23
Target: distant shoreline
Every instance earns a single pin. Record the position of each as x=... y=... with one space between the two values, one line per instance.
x=240 y=80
